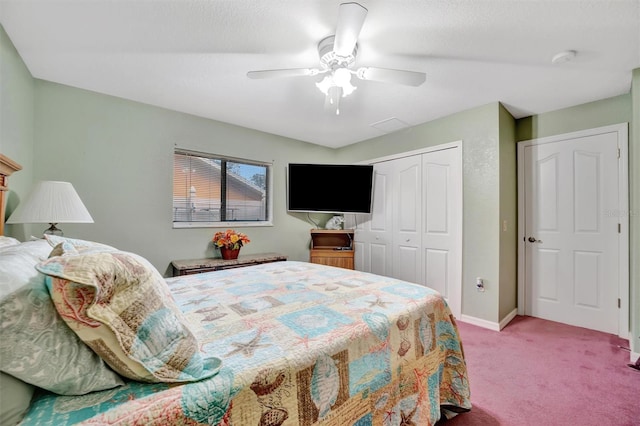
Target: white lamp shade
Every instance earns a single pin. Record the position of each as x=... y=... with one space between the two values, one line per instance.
x=51 y=202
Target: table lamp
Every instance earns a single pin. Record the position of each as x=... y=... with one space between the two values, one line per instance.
x=51 y=202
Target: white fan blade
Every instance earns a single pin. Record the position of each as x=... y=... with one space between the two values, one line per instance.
x=350 y=20
x=291 y=72
x=408 y=78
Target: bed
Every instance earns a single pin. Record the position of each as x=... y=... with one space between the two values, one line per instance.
x=99 y=337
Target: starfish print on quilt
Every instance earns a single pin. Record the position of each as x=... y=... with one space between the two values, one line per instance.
x=247 y=349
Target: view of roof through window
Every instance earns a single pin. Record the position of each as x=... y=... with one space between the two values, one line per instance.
x=218 y=190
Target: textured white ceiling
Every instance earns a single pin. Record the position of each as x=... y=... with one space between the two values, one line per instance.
x=193 y=56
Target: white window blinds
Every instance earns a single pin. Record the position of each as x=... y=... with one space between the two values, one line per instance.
x=209 y=189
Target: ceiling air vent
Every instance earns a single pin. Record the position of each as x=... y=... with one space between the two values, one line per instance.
x=390 y=125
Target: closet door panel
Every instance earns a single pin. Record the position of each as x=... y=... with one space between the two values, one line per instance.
x=442 y=224
x=407 y=260
x=379 y=258
x=374 y=232
x=436 y=264
x=359 y=252
x=407 y=208
x=436 y=204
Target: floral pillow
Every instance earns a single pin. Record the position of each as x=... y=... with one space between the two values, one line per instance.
x=120 y=306
x=37 y=346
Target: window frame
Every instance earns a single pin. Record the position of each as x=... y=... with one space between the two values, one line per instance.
x=233 y=223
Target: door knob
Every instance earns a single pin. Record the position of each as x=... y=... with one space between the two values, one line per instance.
x=533 y=240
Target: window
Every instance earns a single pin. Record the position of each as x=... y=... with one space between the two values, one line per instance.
x=210 y=190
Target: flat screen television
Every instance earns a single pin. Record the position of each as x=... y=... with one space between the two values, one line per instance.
x=329 y=188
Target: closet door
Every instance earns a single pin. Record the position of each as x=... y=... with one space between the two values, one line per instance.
x=442 y=224
x=415 y=230
x=373 y=238
x=407 y=207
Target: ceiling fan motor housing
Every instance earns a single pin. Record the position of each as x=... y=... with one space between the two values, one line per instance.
x=332 y=61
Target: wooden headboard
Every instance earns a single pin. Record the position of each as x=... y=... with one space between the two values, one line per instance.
x=7 y=166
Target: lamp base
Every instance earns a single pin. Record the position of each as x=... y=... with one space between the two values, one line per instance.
x=53 y=230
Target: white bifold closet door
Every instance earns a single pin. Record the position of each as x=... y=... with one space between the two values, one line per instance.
x=407 y=213
x=415 y=230
x=442 y=224
x=374 y=233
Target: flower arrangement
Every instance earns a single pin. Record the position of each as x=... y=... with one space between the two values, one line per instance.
x=230 y=239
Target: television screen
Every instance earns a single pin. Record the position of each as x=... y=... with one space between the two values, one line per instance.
x=329 y=188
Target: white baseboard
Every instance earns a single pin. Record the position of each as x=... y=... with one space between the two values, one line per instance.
x=506 y=320
x=480 y=322
x=489 y=324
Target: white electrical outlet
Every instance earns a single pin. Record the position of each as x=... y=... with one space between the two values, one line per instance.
x=479 y=284
x=504 y=225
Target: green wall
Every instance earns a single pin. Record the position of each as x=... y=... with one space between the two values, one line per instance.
x=119 y=156
x=17 y=103
x=581 y=117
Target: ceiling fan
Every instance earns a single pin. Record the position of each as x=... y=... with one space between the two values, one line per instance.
x=337 y=57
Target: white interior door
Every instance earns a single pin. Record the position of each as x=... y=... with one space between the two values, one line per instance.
x=571 y=239
x=407 y=211
x=442 y=224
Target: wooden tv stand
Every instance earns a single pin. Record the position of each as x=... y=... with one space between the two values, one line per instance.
x=333 y=247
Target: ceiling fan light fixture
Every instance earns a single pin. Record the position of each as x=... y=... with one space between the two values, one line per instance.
x=325 y=84
x=340 y=78
x=347 y=89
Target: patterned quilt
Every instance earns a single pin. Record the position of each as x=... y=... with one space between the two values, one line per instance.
x=301 y=344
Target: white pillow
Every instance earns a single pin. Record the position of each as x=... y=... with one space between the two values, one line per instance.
x=17 y=264
x=7 y=241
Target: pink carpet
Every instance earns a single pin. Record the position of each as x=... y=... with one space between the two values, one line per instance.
x=538 y=372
